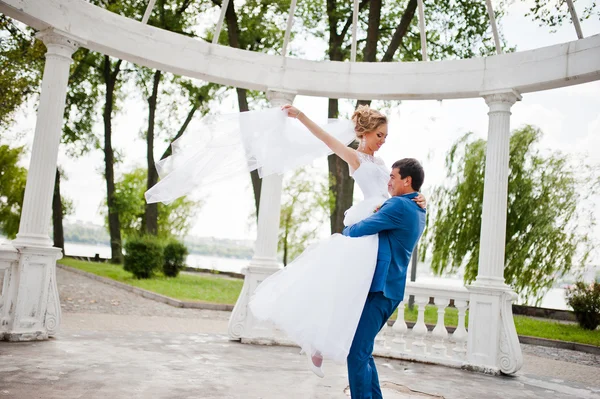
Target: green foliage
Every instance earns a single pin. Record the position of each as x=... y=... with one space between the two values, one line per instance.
x=143 y=256
x=21 y=65
x=304 y=207
x=585 y=301
x=173 y=219
x=12 y=189
x=553 y=13
x=546 y=232
x=185 y=287
x=174 y=258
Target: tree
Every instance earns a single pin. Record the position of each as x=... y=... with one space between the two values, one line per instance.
x=173 y=219
x=108 y=75
x=305 y=205
x=12 y=189
x=61 y=207
x=546 y=229
x=21 y=65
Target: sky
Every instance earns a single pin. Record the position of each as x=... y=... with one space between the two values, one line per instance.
x=569 y=118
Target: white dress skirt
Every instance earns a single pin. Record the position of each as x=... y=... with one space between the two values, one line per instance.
x=317 y=300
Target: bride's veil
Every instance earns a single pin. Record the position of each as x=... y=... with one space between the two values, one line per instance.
x=226 y=145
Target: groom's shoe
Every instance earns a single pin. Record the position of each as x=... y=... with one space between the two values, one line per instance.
x=311 y=365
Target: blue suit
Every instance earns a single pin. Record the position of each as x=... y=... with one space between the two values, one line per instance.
x=399 y=222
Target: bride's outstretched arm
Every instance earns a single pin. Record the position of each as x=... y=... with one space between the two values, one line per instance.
x=346 y=153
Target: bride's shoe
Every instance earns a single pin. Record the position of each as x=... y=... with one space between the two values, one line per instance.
x=317 y=370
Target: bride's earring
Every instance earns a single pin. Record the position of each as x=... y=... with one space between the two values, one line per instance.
x=362 y=145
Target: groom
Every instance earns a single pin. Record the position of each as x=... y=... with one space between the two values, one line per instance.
x=399 y=222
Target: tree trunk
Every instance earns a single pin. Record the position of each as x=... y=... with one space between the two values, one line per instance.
x=370 y=54
x=114 y=226
x=151 y=216
x=341 y=185
x=57 y=215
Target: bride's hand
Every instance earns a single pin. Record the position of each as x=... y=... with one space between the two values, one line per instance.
x=292 y=111
x=421 y=201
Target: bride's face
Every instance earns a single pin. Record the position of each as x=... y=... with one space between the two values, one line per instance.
x=375 y=139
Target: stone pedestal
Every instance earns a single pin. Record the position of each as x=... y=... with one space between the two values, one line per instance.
x=493 y=345
x=29 y=302
x=242 y=326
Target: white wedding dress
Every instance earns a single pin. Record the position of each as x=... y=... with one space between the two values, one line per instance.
x=317 y=300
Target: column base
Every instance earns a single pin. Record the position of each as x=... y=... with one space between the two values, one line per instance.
x=242 y=324
x=29 y=301
x=24 y=337
x=493 y=345
x=33 y=240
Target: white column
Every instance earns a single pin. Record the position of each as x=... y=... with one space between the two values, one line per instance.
x=37 y=205
x=495 y=190
x=493 y=344
x=30 y=304
x=264 y=262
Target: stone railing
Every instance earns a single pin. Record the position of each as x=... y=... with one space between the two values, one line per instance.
x=418 y=343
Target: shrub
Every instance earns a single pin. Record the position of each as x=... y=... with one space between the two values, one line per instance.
x=585 y=301
x=143 y=256
x=174 y=258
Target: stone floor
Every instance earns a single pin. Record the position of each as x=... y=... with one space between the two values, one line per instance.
x=115 y=344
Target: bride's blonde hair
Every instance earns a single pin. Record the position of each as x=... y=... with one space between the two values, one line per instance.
x=366 y=120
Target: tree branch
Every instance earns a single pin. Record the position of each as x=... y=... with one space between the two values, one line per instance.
x=361 y=7
x=401 y=30
x=116 y=71
x=183 y=127
x=184 y=6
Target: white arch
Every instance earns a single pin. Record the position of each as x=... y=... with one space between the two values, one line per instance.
x=100 y=30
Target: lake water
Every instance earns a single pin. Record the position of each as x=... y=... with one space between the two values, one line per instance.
x=554 y=299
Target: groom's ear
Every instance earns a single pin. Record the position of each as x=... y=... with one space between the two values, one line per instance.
x=408 y=181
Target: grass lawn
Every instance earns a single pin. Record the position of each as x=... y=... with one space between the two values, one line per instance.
x=188 y=287
x=184 y=287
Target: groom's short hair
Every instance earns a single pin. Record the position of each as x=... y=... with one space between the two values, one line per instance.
x=411 y=167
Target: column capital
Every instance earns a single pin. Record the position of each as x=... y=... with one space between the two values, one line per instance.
x=280 y=97
x=59 y=43
x=508 y=97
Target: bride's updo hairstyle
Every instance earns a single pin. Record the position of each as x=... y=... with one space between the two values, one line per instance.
x=367 y=120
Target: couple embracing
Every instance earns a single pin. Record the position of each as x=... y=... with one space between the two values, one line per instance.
x=334 y=298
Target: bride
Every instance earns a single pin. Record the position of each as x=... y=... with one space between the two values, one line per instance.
x=317 y=300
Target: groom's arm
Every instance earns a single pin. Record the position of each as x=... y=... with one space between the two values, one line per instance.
x=388 y=217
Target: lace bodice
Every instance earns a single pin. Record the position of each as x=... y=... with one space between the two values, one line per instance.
x=372 y=176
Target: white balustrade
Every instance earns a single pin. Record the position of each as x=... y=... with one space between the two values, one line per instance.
x=440 y=332
x=419 y=343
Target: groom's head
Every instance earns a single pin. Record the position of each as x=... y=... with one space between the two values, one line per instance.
x=406 y=177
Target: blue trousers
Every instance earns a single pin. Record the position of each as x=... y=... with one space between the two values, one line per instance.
x=362 y=373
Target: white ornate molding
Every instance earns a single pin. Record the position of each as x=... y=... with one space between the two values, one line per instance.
x=109 y=33
x=59 y=43
x=510 y=357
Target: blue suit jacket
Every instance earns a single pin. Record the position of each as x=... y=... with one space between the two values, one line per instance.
x=399 y=222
